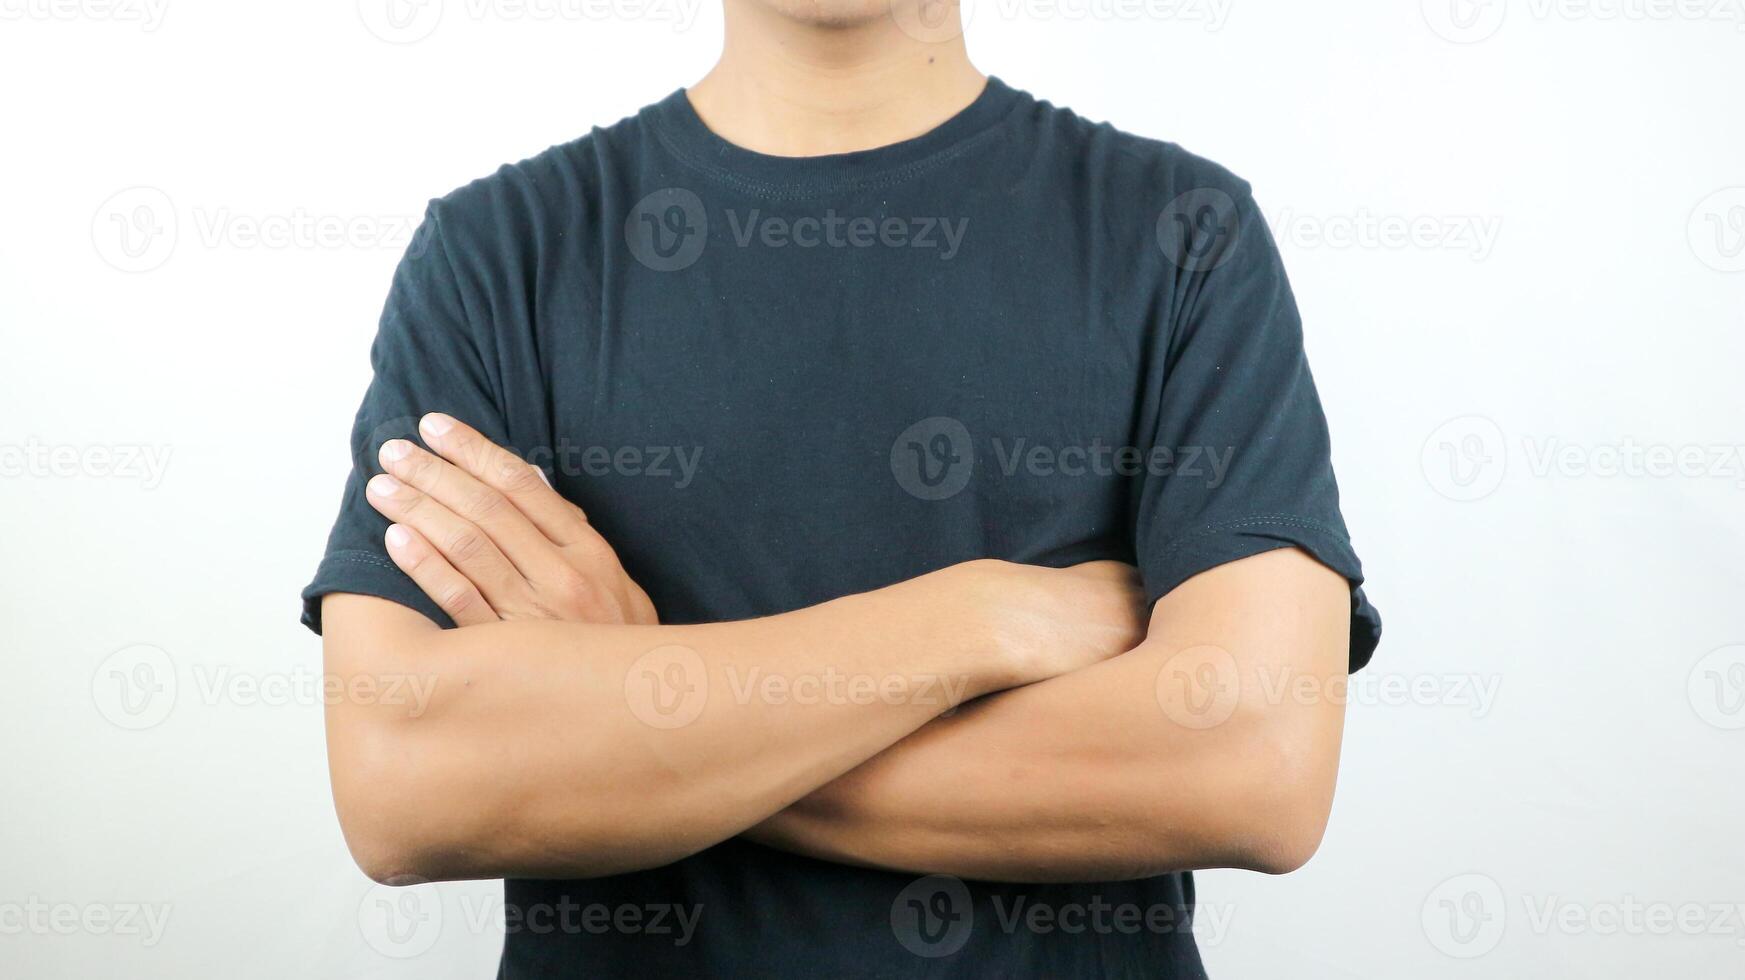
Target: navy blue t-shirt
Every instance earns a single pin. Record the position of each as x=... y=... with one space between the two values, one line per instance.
x=774 y=381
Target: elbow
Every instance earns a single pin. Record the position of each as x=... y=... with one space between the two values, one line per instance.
x=385 y=861
x=413 y=810
x=1286 y=846
x=383 y=845
x=1285 y=800
x=381 y=811
x=384 y=835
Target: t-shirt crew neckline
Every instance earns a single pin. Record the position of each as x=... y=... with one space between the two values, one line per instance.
x=684 y=132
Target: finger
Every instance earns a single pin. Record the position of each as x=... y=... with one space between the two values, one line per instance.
x=485 y=507
x=643 y=611
x=449 y=589
x=469 y=549
x=524 y=485
x=520 y=481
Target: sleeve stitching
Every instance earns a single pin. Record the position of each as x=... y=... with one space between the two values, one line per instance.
x=362 y=558
x=1259 y=520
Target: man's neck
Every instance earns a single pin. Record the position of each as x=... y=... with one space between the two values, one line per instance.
x=788 y=88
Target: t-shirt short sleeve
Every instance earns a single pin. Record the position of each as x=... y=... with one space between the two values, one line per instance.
x=1237 y=421
x=426 y=358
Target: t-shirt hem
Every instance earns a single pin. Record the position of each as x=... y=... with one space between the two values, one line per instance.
x=1212 y=545
x=365 y=573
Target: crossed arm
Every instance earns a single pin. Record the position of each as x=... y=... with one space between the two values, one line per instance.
x=1213 y=743
x=1090 y=747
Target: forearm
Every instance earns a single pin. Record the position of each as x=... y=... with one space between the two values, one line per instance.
x=1106 y=773
x=1081 y=778
x=543 y=751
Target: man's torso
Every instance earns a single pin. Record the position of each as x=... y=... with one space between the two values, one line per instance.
x=776 y=385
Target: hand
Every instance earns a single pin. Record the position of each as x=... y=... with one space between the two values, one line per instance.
x=486 y=537
x=1052 y=621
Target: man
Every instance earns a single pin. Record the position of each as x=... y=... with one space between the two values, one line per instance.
x=938 y=504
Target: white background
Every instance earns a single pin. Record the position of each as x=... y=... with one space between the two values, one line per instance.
x=1543 y=766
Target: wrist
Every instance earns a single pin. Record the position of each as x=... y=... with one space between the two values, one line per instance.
x=978 y=622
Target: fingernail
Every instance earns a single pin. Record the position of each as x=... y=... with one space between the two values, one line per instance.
x=435 y=424
x=395 y=450
x=397 y=536
x=384 y=486
x=542 y=475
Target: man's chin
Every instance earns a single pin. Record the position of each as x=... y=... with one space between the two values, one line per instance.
x=835 y=14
